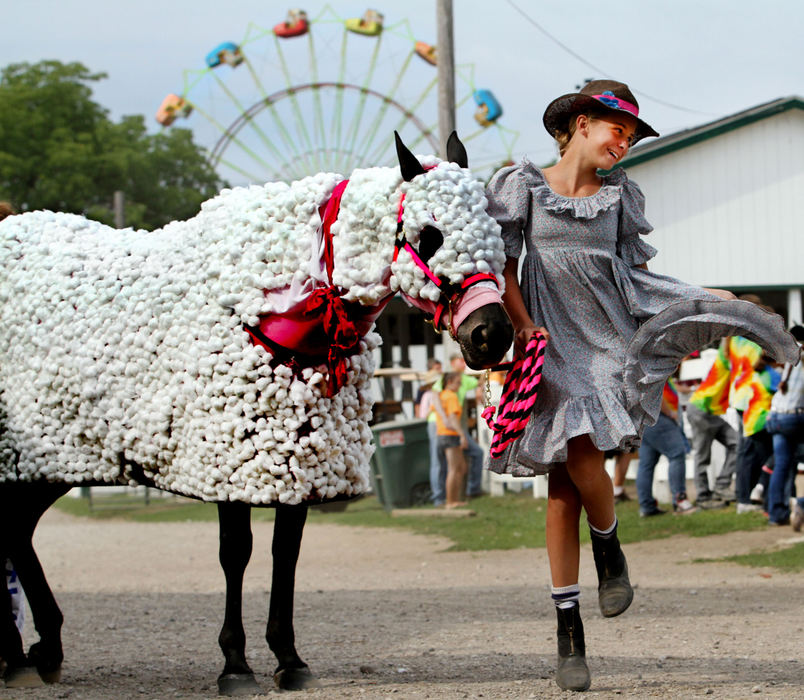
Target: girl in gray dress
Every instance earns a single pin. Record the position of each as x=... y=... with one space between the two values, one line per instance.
x=616 y=332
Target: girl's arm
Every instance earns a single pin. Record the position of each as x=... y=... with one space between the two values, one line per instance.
x=722 y=293
x=514 y=304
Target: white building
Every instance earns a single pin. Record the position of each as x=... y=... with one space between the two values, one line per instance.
x=724 y=200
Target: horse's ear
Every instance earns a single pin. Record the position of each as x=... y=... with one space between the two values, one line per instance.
x=456 y=153
x=408 y=163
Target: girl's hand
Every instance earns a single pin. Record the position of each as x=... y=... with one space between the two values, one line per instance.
x=722 y=293
x=523 y=335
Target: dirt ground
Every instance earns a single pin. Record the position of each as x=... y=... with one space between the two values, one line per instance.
x=385 y=614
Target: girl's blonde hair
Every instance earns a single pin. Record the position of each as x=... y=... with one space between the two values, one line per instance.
x=563 y=137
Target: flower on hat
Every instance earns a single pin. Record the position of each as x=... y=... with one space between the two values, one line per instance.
x=609 y=99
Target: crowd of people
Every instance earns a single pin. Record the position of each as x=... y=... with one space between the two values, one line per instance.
x=762 y=444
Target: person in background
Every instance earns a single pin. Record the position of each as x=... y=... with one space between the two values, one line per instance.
x=452 y=438
x=757 y=444
x=469 y=391
x=666 y=438
x=621 y=461
x=785 y=424
x=438 y=465
x=705 y=412
x=434 y=369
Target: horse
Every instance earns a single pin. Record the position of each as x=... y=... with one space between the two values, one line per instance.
x=227 y=358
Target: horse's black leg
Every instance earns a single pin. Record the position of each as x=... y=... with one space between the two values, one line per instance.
x=236 y=540
x=291 y=673
x=17 y=671
x=23 y=506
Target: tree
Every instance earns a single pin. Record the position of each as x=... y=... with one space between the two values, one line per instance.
x=59 y=150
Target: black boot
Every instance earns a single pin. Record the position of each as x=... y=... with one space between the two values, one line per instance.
x=572 y=672
x=614 y=589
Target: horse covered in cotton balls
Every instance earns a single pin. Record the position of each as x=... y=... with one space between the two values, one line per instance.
x=227 y=358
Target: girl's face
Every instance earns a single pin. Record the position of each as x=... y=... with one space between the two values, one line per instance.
x=608 y=138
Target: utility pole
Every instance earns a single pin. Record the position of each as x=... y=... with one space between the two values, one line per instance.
x=445 y=51
x=446 y=73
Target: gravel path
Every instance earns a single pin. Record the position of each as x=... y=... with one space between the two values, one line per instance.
x=386 y=614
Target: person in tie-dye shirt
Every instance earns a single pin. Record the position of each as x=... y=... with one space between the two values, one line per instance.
x=705 y=412
x=756 y=447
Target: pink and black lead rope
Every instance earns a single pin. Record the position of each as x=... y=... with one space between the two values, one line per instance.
x=518 y=396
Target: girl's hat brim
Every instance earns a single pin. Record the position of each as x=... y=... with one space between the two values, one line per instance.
x=556 y=116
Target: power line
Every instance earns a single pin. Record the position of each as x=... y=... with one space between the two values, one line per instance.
x=600 y=71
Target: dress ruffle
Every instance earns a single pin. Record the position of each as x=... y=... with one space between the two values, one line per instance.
x=660 y=344
x=635 y=251
x=579 y=207
x=544 y=442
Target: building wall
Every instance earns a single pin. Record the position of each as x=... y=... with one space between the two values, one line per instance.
x=725 y=210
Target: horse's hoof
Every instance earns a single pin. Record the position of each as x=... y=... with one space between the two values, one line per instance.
x=238 y=684
x=47 y=659
x=50 y=676
x=23 y=677
x=295 y=679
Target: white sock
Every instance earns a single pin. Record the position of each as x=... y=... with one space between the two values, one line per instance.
x=565 y=596
x=608 y=532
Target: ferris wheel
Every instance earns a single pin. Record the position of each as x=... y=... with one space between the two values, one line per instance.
x=326 y=94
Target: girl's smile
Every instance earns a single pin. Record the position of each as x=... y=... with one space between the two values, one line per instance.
x=610 y=136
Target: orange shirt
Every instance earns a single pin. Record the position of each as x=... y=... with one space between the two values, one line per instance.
x=451 y=407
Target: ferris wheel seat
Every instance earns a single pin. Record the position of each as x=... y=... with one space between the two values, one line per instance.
x=427 y=52
x=226 y=52
x=370 y=24
x=296 y=24
x=172 y=106
x=489 y=109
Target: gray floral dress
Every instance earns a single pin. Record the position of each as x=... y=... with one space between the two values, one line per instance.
x=617 y=331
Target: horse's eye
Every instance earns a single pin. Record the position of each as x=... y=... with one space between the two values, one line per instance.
x=430 y=240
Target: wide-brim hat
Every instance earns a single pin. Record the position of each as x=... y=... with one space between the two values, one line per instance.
x=606 y=95
x=431 y=376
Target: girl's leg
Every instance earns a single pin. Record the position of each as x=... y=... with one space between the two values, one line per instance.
x=561 y=528
x=563 y=549
x=585 y=469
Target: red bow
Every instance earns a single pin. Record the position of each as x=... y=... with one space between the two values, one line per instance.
x=339 y=329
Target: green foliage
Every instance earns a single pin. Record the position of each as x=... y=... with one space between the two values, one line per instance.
x=59 y=150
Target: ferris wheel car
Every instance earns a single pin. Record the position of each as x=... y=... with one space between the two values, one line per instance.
x=370 y=24
x=488 y=110
x=227 y=52
x=295 y=25
x=426 y=51
x=172 y=106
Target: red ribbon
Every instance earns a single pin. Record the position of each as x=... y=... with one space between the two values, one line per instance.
x=341 y=331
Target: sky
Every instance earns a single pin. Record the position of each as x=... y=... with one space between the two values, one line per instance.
x=689 y=62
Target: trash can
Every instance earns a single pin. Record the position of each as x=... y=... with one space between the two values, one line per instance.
x=400 y=466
